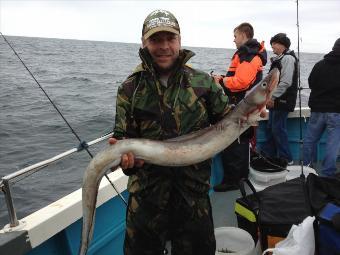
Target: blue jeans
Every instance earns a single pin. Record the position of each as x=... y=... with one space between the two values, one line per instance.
x=277 y=136
x=318 y=123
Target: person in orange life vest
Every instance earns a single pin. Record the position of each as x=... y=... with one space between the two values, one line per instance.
x=244 y=72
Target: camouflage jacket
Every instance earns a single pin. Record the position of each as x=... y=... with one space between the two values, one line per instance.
x=145 y=108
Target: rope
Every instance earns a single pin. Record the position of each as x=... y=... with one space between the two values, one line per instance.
x=82 y=144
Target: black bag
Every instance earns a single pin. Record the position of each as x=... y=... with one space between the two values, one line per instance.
x=324 y=195
x=246 y=210
x=281 y=206
x=278 y=207
x=275 y=209
x=321 y=191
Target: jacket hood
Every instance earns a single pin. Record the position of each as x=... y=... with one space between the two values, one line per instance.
x=333 y=57
x=147 y=63
x=252 y=46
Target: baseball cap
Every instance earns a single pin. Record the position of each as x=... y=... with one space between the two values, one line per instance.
x=160 y=20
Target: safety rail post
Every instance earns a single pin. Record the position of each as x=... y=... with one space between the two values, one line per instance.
x=13 y=220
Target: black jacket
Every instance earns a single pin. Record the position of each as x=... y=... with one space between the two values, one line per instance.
x=324 y=82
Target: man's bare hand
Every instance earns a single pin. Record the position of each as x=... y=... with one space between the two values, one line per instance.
x=264 y=113
x=270 y=104
x=128 y=160
x=217 y=78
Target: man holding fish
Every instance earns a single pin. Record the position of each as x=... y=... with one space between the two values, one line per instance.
x=175 y=119
x=163 y=99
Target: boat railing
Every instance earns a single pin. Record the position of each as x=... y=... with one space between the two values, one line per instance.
x=6 y=180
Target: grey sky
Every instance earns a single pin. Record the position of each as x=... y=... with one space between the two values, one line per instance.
x=203 y=23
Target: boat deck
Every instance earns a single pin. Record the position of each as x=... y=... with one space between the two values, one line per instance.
x=223 y=204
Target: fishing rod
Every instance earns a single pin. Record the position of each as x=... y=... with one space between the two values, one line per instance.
x=299 y=85
x=82 y=144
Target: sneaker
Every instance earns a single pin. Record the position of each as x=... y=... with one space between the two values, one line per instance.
x=225 y=187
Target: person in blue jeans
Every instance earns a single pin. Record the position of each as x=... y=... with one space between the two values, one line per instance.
x=324 y=102
x=283 y=100
x=277 y=146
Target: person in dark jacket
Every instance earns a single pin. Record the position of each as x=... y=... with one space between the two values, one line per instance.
x=244 y=72
x=276 y=147
x=324 y=102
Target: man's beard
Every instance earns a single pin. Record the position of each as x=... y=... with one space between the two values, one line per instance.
x=164 y=71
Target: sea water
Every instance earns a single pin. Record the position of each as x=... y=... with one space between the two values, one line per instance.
x=81 y=78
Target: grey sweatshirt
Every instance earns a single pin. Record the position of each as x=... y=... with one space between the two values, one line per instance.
x=286 y=76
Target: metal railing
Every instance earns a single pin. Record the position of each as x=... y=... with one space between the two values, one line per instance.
x=6 y=180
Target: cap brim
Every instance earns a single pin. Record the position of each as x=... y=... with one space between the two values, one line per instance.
x=160 y=29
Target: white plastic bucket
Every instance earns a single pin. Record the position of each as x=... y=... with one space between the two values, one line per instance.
x=237 y=241
x=259 y=186
x=270 y=178
x=295 y=171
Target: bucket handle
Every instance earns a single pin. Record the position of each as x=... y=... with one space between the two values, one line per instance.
x=250 y=185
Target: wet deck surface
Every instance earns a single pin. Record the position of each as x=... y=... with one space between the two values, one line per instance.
x=223 y=204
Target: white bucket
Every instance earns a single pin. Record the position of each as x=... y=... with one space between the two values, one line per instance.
x=295 y=171
x=259 y=186
x=237 y=241
x=269 y=178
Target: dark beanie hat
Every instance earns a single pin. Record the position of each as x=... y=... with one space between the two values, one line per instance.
x=282 y=39
x=336 y=46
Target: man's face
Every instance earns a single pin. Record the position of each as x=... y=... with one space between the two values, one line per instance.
x=164 y=49
x=239 y=38
x=278 y=48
